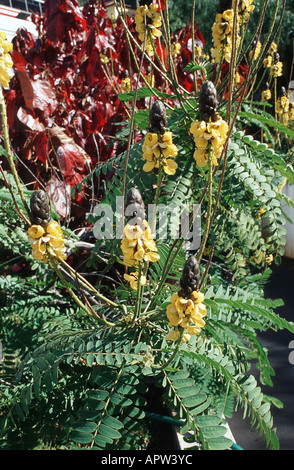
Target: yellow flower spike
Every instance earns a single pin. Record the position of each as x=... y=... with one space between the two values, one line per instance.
x=6 y=63
x=47 y=242
x=147 y=21
x=160 y=148
x=273 y=48
x=266 y=95
x=204 y=132
x=276 y=69
x=186 y=313
x=126 y=85
x=175 y=49
x=222 y=31
x=267 y=61
x=136 y=247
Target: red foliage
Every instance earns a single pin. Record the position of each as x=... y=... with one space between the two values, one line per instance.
x=63 y=106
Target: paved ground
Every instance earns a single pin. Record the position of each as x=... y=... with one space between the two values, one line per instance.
x=281 y=285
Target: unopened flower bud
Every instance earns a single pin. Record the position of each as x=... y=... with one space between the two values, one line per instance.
x=40 y=208
x=158 y=120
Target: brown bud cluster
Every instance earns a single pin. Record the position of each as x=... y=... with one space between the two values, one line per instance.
x=135 y=205
x=190 y=276
x=40 y=208
x=208 y=102
x=157 y=117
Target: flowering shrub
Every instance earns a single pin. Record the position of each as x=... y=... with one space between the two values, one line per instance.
x=172 y=133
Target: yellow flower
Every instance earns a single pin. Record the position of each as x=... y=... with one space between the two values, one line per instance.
x=198 y=52
x=269 y=259
x=133 y=280
x=267 y=61
x=36 y=231
x=277 y=69
x=138 y=244
x=211 y=132
x=186 y=313
x=147 y=21
x=245 y=7
x=273 y=48
x=283 y=105
x=6 y=62
x=126 y=85
x=158 y=149
x=175 y=49
x=173 y=335
x=222 y=30
x=266 y=95
x=47 y=242
x=104 y=59
x=256 y=51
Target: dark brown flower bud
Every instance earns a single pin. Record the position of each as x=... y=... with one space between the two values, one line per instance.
x=208 y=102
x=40 y=208
x=224 y=5
x=157 y=116
x=135 y=205
x=190 y=276
x=276 y=57
x=283 y=91
x=145 y=2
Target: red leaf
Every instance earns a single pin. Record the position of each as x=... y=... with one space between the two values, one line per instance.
x=44 y=97
x=26 y=87
x=59 y=194
x=29 y=121
x=41 y=146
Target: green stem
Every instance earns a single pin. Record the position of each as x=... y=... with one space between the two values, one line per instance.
x=209 y=207
x=84 y=283
x=175 y=351
x=75 y=297
x=8 y=150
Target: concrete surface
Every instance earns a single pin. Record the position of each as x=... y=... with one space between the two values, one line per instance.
x=281 y=285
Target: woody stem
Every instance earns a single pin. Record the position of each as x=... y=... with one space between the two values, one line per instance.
x=8 y=150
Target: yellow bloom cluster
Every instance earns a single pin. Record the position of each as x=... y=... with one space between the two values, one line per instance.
x=273 y=48
x=266 y=95
x=6 y=63
x=256 y=50
x=277 y=69
x=148 y=21
x=126 y=85
x=47 y=242
x=245 y=7
x=209 y=134
x=187 y=313
x=175 y=49
x=160 y=149
x=138 y=244
x=104 y=59
x=222 y=32
x=283 y=105
x=267 y=61
x=284 y=110
x=198 y=52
